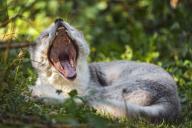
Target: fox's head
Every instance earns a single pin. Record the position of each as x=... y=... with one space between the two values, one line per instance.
x=60 y=48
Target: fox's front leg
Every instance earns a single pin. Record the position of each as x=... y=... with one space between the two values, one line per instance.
x=47 y=94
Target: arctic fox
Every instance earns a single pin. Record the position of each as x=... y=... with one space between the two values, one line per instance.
x=118 y=88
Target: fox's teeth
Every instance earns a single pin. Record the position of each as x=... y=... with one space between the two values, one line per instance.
x=56 y=33
x=67 y=43
x=61 y=28
x=71 y=62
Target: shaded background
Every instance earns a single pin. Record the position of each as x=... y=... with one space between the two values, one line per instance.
x=158 y=31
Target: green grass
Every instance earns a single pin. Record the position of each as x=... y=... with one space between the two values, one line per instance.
x=18 y=110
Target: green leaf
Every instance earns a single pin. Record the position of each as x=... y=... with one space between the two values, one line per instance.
x=73 y=93
x=3 y=11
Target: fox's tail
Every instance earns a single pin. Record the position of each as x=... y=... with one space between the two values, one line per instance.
x=156 y=112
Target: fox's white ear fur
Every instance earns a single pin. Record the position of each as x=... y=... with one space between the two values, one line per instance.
x=150 y=91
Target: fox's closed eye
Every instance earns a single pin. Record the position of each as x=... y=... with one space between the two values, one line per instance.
x=44 y=35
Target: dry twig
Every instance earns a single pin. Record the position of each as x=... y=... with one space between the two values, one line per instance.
x=5 y=45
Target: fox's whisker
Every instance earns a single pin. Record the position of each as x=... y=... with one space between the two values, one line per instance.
x=38 y=62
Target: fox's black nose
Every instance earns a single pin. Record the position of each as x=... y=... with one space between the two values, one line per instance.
x=58 y=20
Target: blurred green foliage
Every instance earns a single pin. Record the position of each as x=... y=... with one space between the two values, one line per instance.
x=140 y=30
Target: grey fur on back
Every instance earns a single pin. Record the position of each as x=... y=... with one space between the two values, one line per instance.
x=139 y=84
x=118 y=88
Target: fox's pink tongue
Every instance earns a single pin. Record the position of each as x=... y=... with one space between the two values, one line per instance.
x=69 y=71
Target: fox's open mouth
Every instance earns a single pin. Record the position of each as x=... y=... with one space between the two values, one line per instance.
x=63 y=54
